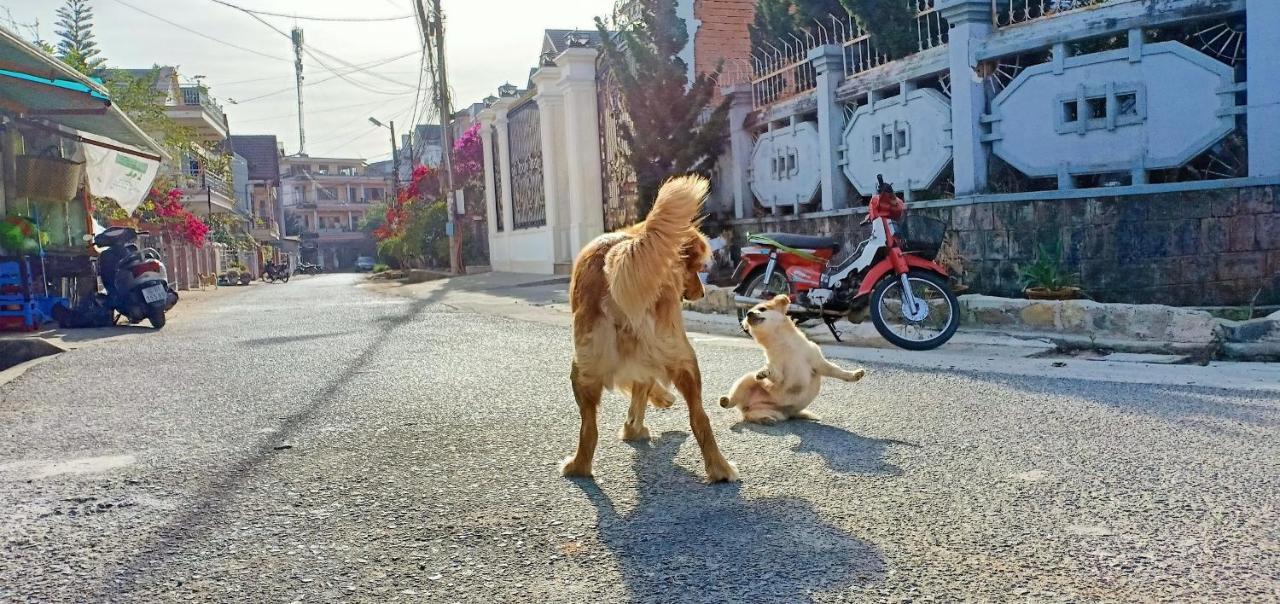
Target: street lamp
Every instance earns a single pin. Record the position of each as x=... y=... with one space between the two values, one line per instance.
x=395 y=155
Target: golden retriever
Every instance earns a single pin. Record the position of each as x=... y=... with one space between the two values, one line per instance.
x=792 y=377
x=628 y=330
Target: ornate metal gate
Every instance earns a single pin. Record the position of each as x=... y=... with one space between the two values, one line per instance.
x=528 y=198
x=497 y=178
x=619 y=180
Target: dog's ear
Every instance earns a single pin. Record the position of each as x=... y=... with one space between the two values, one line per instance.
x=779 y=303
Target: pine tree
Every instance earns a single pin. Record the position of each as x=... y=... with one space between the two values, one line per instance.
x=75 y=29
x=667 y=134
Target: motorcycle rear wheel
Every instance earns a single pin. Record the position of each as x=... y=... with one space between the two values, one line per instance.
x=156 y=316
x=758 y=289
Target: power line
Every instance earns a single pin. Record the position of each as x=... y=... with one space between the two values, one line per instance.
x=314 y=18
x=313 y=56
x=202 y=35
x=328 y=79
x=379 y=102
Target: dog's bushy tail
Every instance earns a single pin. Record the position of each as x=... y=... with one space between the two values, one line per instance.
x=634 y=267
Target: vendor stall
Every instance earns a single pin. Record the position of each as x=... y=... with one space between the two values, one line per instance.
x=61 y=140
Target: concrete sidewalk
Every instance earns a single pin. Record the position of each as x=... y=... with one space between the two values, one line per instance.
x=543 y=299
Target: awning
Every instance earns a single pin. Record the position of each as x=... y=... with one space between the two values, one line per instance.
x=37 y=86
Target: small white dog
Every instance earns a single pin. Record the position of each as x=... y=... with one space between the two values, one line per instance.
x=792 y=377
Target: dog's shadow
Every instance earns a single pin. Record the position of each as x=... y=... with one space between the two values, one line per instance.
x=844 y=451
x=683 y=540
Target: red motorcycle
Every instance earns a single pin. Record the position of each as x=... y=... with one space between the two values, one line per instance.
x=891 y=276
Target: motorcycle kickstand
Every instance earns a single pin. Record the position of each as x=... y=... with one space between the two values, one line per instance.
x=835 y=333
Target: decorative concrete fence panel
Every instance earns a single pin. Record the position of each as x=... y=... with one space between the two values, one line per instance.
x=785 y=165
x=906 y=138
x=1149 y=107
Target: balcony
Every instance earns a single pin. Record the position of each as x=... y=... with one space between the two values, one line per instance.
x=265 y=229
x=198 y=110
x=335 y=235
x=206 y=191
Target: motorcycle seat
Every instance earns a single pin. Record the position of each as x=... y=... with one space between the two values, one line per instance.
x=803 y=242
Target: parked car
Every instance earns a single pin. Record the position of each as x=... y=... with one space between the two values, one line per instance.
x=365 y=264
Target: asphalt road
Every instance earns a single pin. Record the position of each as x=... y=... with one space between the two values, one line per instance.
x=320 y=442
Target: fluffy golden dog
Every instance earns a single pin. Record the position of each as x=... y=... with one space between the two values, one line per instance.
x=628 y=330
x=792 y=377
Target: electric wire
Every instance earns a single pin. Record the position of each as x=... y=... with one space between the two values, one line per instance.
x=314 y=18
x=202 y=35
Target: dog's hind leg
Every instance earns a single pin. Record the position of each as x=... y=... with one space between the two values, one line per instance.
x=763 y=414
x=661 y=397
x=741 y=392
x=634 y=428
x=688 y=380
x=587 y=393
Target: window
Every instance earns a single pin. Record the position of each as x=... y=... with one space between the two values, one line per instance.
x=875 y=144
x=901 y=141
x=1127 y=104
x=352 y=195
x=1070 y=112
x=1104 y=107
x=327 y=193
x=1097 y=107
x=373 y=194
x=322 y=169
x=791 y=163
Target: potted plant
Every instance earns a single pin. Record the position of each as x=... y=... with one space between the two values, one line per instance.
x=1044 y=279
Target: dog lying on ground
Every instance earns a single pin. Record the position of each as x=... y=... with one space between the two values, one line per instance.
x=792 y=377
x=628 y=330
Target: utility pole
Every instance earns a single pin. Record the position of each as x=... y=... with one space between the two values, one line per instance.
x=433 y=29
x=395 y=161
x=297 y=68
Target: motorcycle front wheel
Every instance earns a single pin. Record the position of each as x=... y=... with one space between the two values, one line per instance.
x=941 y=313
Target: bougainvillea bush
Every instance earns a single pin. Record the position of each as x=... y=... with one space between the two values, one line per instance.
x=162 y=209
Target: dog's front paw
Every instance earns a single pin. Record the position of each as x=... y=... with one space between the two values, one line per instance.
x=762 y=375
x=725 y=402
x=853 y=376
x=571 y=468
x=726 y=473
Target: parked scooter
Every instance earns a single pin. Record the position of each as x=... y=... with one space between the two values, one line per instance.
x=891 y=276
x=136 y=281
x=306 y=268
x=276 y=272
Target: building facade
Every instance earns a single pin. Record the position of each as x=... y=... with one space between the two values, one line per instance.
x=1130 y=142
x=329 y=197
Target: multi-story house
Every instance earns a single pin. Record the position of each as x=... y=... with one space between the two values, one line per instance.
x=206 y=175
x=329 y=197
x=265 y=205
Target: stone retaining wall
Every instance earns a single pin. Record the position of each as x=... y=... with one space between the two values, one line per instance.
x=1197 y=248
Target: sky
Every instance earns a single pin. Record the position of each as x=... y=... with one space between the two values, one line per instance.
x=489 y=42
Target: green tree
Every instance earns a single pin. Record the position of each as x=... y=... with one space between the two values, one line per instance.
x=892 y=22
x=374 y=217
x=75 y=32
x=673 y=128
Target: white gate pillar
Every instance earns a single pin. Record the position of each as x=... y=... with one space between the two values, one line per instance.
x=504 y=175
x=491 y=201
x=740 y=147
x=828 y=62
x=582 y=145
x=550 y=102
x=970 y=27
x=1263 y=33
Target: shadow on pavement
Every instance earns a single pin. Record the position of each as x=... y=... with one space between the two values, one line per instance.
x=844 y=451
x=686 y=541
x=260 y=342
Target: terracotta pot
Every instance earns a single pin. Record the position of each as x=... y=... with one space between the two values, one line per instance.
x=1043 y=293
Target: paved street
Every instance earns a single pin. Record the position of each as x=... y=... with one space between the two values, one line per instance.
x=322 y=442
